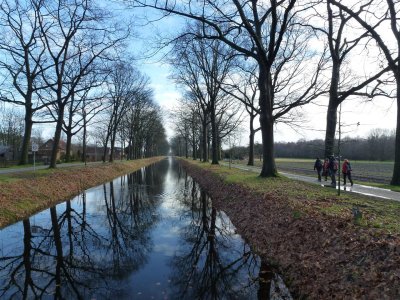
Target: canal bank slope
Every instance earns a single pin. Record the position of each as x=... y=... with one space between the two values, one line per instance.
x=318 y=241
x=23 y=194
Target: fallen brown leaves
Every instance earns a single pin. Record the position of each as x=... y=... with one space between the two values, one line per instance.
x=320 y=256
x=29 y=194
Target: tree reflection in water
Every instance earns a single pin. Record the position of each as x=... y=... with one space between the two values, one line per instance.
x=76 y=257
x=213 y=262
x=150 y=234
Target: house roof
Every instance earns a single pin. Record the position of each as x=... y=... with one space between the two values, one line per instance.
x=49 y=144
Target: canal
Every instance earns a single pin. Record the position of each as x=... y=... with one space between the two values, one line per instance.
x=152 y=234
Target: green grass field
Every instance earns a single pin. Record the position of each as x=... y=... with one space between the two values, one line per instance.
x=363 y=171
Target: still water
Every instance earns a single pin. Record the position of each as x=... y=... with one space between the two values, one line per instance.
x=152 y=234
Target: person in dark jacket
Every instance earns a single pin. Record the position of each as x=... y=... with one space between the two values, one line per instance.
x=346 y=171
x=318 y=167
x=333 y=166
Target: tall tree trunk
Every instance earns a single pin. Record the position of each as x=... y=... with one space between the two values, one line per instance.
x=186 y=147
x=69 y=131
x=200 y=146
x=265 y=277
x=59 y=252
x=331 y=116
x=104 y=153
x=396 y=171
x=331 y=119
x=267 y=123
x=129 y=154
x=219 y=149
x=204 y=141
x=84 y=139
x=193 y=143
x=208 y=146
x=112 y=144
x=68 y=216
x=251 y=142
x=104 y=158
x=214 y=136
x=267 y=134
x=27 y=256
x=27 y=136
x=251 y=149
x=68 y=147
x=57 y=137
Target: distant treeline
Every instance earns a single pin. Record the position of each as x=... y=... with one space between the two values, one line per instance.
x=379 y=145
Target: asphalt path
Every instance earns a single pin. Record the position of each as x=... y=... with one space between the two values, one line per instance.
x=356 y=188
x=41 y=167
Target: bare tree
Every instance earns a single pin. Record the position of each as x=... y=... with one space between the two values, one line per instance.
x=187 y=74
x=83 y=107
x=126 y=83
x=243 y=87
x=76 y=35
x=11 y=131
x=155 y=140
x=187 y=123
x=202 y=66
x=229 y=119
x=269 y=34
x=142 y=126
x=373 y=14
x=183 y=117
x=343 y=40
x=21 y=63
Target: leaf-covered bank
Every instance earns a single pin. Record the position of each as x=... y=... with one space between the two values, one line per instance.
x=320 y=249
x=23 y=194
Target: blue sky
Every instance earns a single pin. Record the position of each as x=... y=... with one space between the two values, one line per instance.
x=380 y=113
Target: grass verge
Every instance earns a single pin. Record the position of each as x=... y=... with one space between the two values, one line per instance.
x=322 y=244
x=23 y=194
x=308 y=199
x=370 y=173
x=393 y=188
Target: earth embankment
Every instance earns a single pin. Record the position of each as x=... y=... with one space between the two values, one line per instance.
x=321 y=253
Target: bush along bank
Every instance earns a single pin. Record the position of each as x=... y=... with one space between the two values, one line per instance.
x=320 y=248
x=23 y=194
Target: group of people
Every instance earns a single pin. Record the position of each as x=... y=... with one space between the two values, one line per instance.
x=329 y=168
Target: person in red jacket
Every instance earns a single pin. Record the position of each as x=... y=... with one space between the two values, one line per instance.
x=346 y=171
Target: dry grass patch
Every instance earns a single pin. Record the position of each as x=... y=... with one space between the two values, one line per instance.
x=23 y=194
x=309 y=233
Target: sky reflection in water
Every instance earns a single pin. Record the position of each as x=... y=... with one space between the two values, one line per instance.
x=152 y=234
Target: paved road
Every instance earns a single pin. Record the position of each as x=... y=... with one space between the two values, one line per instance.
x=28 y=169
x=356 y=188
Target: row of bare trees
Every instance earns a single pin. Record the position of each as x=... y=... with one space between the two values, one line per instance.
x=61 y=64
x=299 y=51
x=132 y=117
x=206 y=114
x=378 y=145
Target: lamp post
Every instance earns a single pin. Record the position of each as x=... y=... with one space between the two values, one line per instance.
x=95 y=150
x=339 y=140
x=230 y=152
x=84 y=135
x=35 y=148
